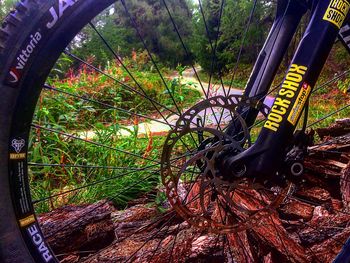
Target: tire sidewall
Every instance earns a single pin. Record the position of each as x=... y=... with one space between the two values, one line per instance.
x=18 y=240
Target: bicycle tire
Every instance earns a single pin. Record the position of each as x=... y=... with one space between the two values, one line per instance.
x=29 y=17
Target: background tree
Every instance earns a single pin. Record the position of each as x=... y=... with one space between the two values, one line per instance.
x=153 y=23
x=156 y=28
x=88 y=44
x=235 y=17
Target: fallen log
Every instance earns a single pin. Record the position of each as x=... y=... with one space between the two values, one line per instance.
x=345 y=187
x=310 y=225
x=339 y=128
x=241 y=249
x=83 y=229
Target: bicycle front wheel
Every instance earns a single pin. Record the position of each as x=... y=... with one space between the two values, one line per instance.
x=107 y=155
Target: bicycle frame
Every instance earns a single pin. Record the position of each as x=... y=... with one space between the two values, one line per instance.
x=327 y=17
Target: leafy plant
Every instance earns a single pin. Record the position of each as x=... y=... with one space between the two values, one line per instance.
x=104 y=152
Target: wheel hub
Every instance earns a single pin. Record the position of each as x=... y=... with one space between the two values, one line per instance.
x=213 y=198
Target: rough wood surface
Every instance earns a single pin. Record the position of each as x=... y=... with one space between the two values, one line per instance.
x=345 y=186
x=79 y=228
x=310 y=226
x=339 y=128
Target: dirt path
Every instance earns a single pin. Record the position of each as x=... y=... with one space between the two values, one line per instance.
x=189 y=77
x=157 y=128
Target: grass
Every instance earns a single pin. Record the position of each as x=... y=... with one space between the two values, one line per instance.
x=322 y=105
x=54 y=149
x=76 y=113
x=76 y=116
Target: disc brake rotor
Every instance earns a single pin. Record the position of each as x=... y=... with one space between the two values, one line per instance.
x=210 y=200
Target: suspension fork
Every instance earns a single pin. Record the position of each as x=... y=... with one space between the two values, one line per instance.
x=287 y=19
x=268 y=153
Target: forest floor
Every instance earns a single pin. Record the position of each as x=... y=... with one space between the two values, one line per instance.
x=309 y=227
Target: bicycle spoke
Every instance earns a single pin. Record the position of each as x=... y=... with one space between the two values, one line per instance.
x=135 y=170
x=71 y=136
x=236 y=234
x=158 y=245
x=242 y=44
x=149 y=239
x=184 y=46
x=119 y=176
x=187 y=53
x=280 y=238
x=136 y=82
x=213 y=48
x=327 y=83
x=108 y=106
x=133 y=22
x=84 y=166
x=99 y=166
x=129 y=73
x=328 y=115
x=98 y=206
x=174 y=243
x=152 y=101
x=222 y=222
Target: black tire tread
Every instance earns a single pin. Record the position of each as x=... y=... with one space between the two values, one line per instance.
x=14 y=32
x=13 y=21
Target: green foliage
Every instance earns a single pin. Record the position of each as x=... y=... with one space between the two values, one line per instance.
x=79 y=115
x=233 y=25
x=344 y=85
x=323 y=104
x=153 y=24
x=111 y=183
x=121 y=39
x=103 y=125
x=119 y=131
